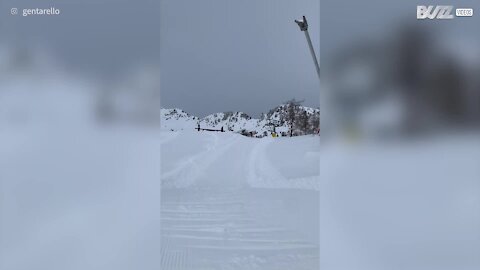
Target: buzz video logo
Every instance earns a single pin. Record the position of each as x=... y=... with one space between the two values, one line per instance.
x=442 y=12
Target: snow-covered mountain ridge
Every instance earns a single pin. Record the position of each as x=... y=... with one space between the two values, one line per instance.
x=278 y=118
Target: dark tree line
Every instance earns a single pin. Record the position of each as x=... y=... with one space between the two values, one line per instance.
x=299 y=120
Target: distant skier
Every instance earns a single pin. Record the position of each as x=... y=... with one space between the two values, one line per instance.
x=222 y=130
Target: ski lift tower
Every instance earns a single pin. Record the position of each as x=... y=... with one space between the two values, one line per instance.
x=304 y=28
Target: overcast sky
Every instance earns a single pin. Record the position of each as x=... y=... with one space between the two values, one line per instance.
x=215 y=55
x=230 y=55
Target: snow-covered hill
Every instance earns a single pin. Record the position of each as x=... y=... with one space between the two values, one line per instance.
x=177 y=119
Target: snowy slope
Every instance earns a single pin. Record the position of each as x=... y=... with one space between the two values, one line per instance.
x=189 y=157
x=177 y=119
x=234 y=121
x=232 y=202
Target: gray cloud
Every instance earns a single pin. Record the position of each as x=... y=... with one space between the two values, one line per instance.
x=236 y=55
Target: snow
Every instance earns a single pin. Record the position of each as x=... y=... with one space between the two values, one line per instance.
x=79 y=193
x=190 y=157
x=75 y=193
x=176 y=119
x=408 y=203
x=231 y=202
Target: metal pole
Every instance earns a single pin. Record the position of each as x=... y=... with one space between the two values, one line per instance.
x=303 y=24
x=309 y=41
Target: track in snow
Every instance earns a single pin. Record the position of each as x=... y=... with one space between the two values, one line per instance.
x=212 y=217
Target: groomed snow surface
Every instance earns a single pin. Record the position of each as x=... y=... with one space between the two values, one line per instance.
x=233 y=202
